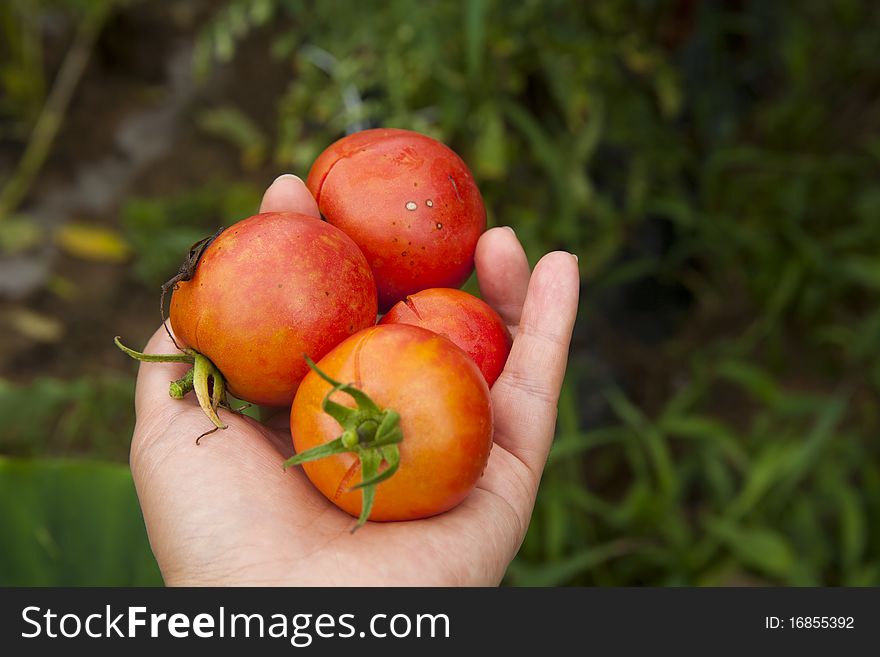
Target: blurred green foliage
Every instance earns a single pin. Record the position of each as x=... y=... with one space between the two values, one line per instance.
x=71 y=523
x=726 y=151
x=161 y=229
x=85 y=416
x=22 y=78
x=743 y=135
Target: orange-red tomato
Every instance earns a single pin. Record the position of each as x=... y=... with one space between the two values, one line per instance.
x=408 y=201
x=463 y=318
x=445 y=415
x=267 y=290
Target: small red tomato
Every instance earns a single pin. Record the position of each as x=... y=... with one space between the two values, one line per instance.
x=445 y=418
x=463 y=318
x=267 y=290
x=408 y=201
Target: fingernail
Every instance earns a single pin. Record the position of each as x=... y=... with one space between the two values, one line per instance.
x=285 y=176
x=510 y=229
x=574 y=255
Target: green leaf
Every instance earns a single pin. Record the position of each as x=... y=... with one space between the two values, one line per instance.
x=71 y=523
x=863 y=271
x=319 y=452
x=370 y=461
x=568 y=445
x=560 y=572
x=654 y=441
x=769 y=469
x=668 y=90
x=754 y=380
x=762 y=549
x=853 y=526
x=554 y=508
x=490 y=149
x=475 y=38
x=706 y=429
x=391 y=455
x=823 y=431
x=231 y=124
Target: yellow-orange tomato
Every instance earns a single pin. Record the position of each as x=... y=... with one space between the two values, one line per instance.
x=267 y=290
x=445 y=416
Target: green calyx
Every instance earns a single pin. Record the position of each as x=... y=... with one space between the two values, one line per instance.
x=370 y=432
x=203 y=378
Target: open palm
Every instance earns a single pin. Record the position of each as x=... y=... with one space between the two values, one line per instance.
x=226 y=513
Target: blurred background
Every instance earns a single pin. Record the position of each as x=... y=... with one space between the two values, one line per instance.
x=713 y=163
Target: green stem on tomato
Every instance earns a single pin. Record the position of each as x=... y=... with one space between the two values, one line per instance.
x=186 y=357
x=370 y=432
x=179 y=388
x=205 y=376
x=204 y=379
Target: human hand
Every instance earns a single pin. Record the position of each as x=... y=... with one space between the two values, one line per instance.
x=226 y=513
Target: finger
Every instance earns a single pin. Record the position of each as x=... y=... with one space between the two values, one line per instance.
x=153 y=378
x=503 y=272
x=526 y=393
x=287 y=193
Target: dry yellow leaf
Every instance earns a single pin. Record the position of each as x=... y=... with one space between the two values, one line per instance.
x=36 y=326
x=92 y=242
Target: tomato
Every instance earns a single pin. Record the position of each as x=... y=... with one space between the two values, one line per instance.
x=445 y=420
x=267 y=290
x=408 y=201
x=463 y=318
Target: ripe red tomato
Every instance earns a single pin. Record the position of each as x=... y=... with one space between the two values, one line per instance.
x=267 y=290
x=463 y=318
x=445 y=417
x=408 y=201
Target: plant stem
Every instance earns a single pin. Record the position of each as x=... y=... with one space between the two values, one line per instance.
x=52 y=114
x=178 y=389
x=204 y=372
x=186 y=357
